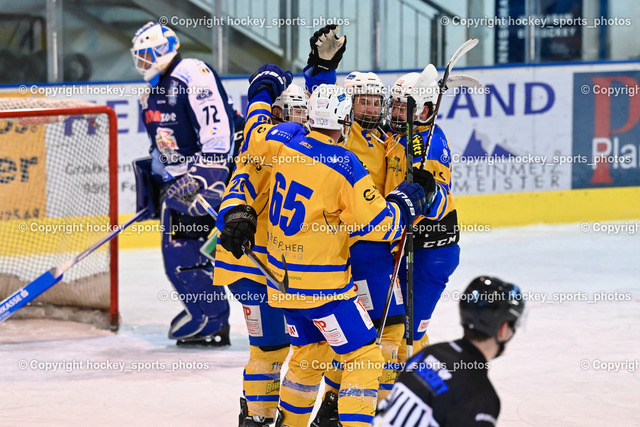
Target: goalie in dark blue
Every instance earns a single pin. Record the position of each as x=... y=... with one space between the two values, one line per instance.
x=190 y=124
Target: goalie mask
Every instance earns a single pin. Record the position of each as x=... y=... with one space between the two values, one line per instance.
x=368 y=96
x=397 y=110
x=330 y=108
x=291 y=105
x=154 y=47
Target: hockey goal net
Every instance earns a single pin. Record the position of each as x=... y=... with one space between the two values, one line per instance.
x=58 y=195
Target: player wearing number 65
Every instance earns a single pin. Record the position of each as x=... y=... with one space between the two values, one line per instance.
x=190 y=125
x=321 y=307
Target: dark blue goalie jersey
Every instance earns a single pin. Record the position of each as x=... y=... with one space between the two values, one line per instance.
x=188 y=117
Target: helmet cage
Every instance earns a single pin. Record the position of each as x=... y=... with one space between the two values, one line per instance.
x=293 y=103
x=365 y=89
x=367 y=103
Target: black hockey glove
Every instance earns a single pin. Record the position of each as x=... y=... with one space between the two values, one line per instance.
x=428 y=183
x=239 y=228
x=326 y=49
x=410 y=199
x=271 y=77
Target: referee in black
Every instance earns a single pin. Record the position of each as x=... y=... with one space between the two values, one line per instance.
x=446 y=384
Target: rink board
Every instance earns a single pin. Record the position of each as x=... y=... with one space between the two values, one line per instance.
x=525 y=148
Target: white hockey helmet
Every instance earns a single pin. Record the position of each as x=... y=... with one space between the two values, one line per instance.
x=398 y=99
x=330 y=108
x=363 y=87
x=293 y=104
x=154 y=47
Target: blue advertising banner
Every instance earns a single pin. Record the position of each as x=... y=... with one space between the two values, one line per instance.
x=606 y=129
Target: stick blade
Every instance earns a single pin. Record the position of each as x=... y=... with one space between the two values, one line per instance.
x=459 y=80
x=464 y=48
x=25 y=295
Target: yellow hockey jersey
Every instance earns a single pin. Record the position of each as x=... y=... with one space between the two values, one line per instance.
x=438 y=162
x=320 y=197
x=369 y=146
x=242 y=190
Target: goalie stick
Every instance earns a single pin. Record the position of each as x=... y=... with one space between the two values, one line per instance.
x=28 y=293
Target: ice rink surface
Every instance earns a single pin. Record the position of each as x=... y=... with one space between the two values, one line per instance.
x=573 y=363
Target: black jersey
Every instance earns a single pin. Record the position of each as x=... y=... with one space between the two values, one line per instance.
x=445 y=384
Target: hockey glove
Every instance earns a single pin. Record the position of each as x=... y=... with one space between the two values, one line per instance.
x=181 y=196
x=239 y=228
x=410 y=199
x=428 y=182
x=326 y=49
x=270 y=77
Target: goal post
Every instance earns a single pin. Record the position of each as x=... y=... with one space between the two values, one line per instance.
x=58 y=195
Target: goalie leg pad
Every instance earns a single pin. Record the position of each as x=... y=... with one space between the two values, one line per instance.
x=186 y=324
x=300 y=387
x=431 y=271
x=261 y=380
x=148 y=187
x=190 y=273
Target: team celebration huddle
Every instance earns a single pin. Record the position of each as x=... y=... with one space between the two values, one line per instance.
x=339 y=257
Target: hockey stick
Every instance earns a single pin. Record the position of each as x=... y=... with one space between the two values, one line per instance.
x=442 y=87
x=462 y=80
x=25 y=295
x=394 y=277
x=411 y=105
x=428 y=75
x=282 y=286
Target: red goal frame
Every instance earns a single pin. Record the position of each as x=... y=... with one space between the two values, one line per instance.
x=114 y=315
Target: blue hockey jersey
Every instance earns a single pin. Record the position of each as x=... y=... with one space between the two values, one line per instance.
x=187 y=114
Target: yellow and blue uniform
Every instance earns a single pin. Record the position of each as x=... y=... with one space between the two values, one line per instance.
x=268 y=339
x=436 y=250
x=314 y=227
x=371 y=262
x=321 y=198
x=372 y=267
